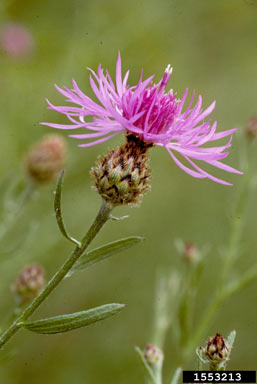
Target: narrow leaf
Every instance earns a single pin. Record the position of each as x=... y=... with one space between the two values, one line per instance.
x=231 y=338
x=146 y=366
x=201 y=358
x=176 y=376
x=72 y=321
x=103 y=252
x=237 y=284
x=58 y=210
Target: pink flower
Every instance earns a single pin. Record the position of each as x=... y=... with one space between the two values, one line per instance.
x=146 y=111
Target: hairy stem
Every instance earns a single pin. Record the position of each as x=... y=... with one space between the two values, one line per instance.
x=100 y=220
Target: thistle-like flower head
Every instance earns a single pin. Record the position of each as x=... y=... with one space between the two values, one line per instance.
x=148 y=112
x=217 y=350
x=122 y=176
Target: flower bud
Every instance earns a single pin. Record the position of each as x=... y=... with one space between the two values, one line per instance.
x=16 y=41
x=46 y=159
x=191 y=252
x=29 y=283
x=122 y=176
x=153 y=355
x=217 y=351
x=251 y=128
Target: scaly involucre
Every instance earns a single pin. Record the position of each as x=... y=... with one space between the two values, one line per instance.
x=146 y=111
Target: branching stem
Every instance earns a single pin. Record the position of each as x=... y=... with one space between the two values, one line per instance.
x=100 y=220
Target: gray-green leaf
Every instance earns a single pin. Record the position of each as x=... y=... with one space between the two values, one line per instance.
x=103 y=252
x=231 y=338
x=58 y=211
x=176 y=377
x=72 y=321
x=148 y=370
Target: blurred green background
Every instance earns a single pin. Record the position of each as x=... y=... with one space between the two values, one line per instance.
x=212 y=48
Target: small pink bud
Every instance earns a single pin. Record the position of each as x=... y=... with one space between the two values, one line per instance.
x=153 y=355
x=190 y=252
x=29 y=283
x=16 y=41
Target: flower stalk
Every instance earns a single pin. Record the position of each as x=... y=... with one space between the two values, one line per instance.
x=225 y=288
x=167 y=287
x=101 y=218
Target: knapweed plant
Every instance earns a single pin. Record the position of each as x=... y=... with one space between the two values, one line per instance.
x=148 y=116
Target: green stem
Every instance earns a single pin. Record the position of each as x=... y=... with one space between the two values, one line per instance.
x=158 y=375
x=176 y=376
x=236 y=229
x=205 y=322
x=229 y=259
x=241 y=283
x=100 y=220
x=218 y=300
x=187 y=305
x=161 y=315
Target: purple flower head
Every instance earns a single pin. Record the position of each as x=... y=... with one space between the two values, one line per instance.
x=148 y=112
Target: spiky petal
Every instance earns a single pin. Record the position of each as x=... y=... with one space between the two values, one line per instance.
x=146 y=111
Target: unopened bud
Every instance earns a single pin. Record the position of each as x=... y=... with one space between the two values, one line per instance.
x=251 y=128
x=46 y=159
x=16 y=41
x=122 y=177
x=153 y=355
x=191 y=252
x=29 y=283
x=217 y=351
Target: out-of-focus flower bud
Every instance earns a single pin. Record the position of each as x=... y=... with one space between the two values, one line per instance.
x=29 y=283
x=191 y=252
x=46 y=159
x=217 y=351
x=122 y=177
x=153 y=355
x=251 y=128
x=16 y=41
